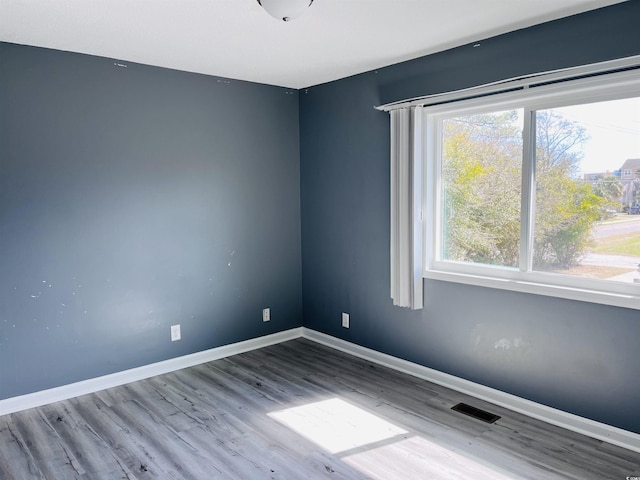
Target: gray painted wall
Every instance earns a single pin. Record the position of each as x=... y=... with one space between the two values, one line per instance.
x=579 y=357
x=132 y=199
x=135 y=198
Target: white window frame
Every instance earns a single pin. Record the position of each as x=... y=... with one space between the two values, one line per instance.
x=612 y=86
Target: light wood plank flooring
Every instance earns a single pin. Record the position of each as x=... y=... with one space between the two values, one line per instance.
x=296 y=410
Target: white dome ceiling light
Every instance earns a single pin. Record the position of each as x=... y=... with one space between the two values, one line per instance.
x=285 y=10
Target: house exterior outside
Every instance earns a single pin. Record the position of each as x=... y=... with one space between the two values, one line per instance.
x=630 y=179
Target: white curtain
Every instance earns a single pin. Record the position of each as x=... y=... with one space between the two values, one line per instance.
x=406 y=207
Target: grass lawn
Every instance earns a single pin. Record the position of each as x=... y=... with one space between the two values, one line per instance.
x=625 y=244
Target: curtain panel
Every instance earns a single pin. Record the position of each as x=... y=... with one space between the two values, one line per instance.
x=406 y=207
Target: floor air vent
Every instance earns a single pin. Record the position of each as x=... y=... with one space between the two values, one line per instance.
x=475 y=412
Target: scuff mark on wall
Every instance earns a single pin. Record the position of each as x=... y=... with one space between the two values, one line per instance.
x=502 y=346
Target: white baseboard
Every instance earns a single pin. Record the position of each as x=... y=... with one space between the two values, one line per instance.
x=591 y=428
x=600 y=431
x=65 y=392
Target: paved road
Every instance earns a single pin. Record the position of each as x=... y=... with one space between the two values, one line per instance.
x=623 y=224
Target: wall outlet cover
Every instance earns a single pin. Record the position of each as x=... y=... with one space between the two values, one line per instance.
x=266 y=314
x=175 y=333
x=345 y=320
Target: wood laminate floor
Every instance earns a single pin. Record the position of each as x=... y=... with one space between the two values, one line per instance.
x=297 y=410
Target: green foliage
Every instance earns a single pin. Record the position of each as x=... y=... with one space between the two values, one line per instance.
x=566 y=212
x=610 y=189
x=481 y=180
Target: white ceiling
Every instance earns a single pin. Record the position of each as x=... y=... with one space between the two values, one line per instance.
x=237 y=39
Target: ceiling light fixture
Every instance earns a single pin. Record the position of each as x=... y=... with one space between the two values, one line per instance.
x=285 y=10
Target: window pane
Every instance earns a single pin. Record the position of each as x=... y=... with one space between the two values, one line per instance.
x=480 y=191
x=587 y=220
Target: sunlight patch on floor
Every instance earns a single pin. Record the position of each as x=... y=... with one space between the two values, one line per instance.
x=417 y=457
x=378 y=448
x=336 y=425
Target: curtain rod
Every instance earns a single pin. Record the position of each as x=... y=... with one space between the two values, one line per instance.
x=515 y=83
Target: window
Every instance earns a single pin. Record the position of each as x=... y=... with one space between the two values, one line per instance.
x=522 y=191
x=481 y=171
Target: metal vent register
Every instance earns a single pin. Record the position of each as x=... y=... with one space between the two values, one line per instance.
x=475 y=412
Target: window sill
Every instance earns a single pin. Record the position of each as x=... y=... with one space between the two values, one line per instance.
x=570 y=293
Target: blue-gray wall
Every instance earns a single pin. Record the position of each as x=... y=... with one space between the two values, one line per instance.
x=578 y=357
x=135 y=198
x=132 y=199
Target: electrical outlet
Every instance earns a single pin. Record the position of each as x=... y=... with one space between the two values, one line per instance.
x=345 y=320
x=175 y=333
x=266 y=314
